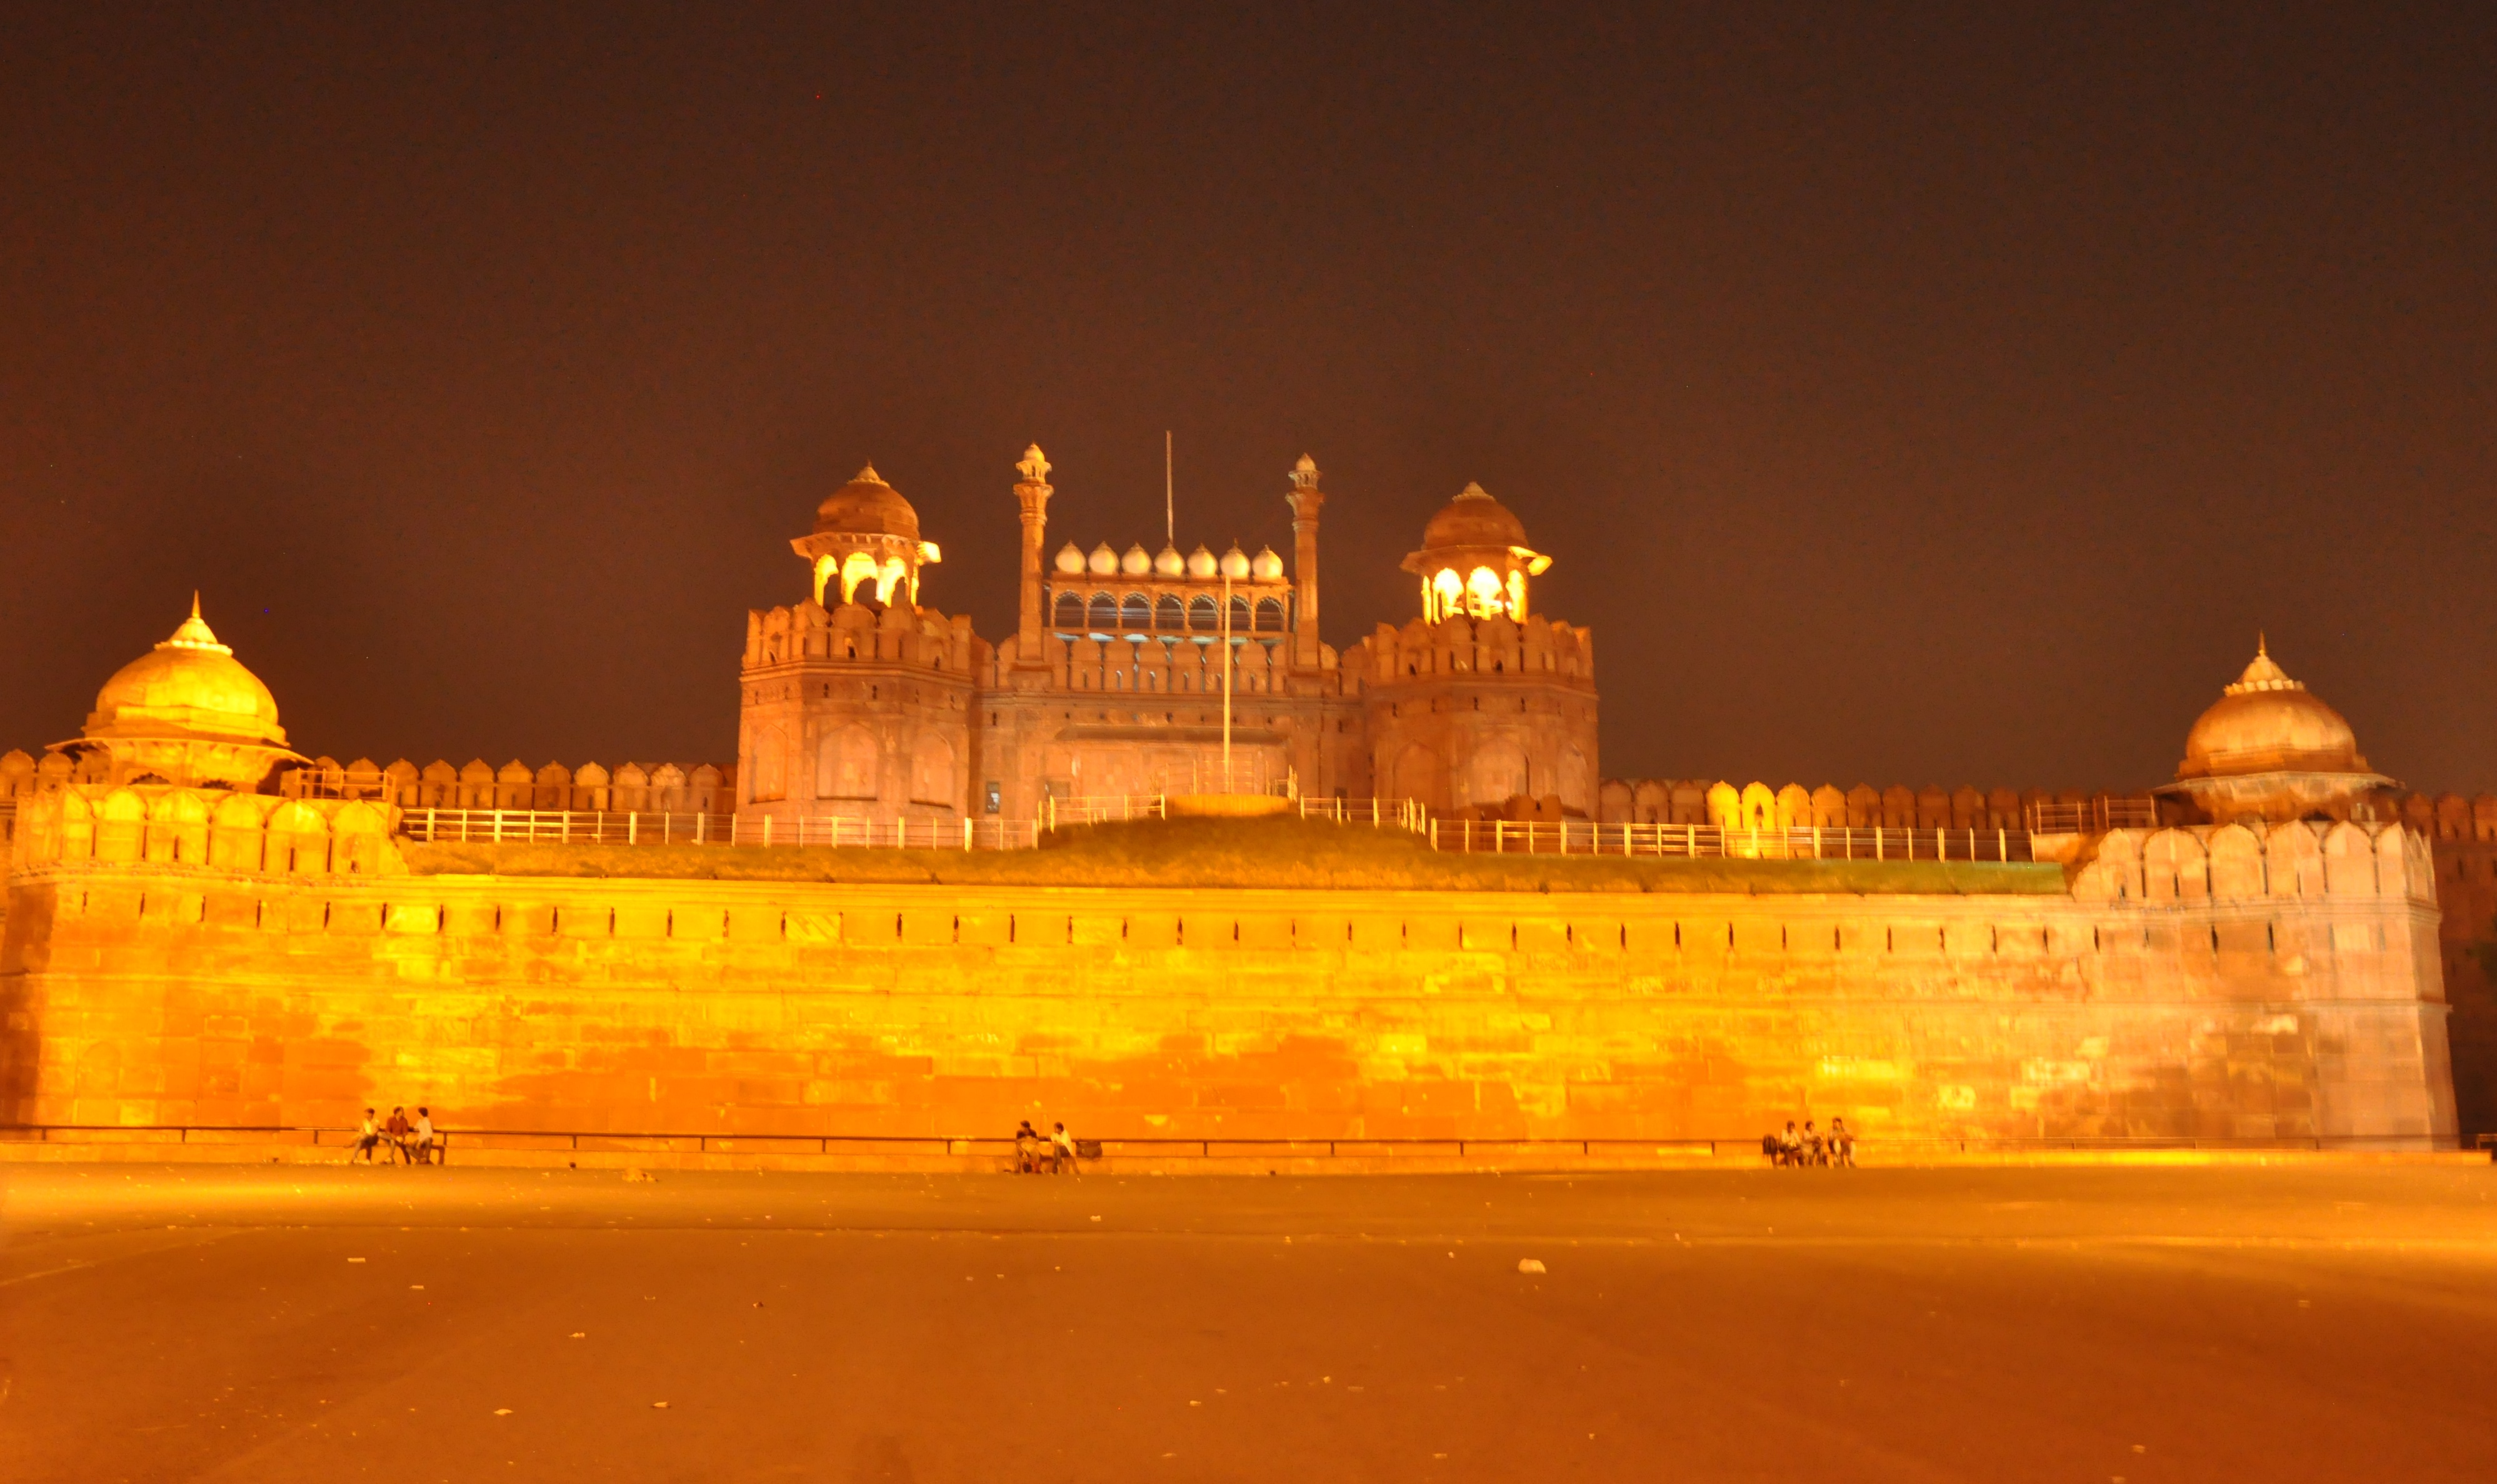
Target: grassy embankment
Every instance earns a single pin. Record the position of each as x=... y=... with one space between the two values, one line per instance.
x=1199 y=853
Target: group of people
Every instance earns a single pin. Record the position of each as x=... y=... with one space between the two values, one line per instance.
x=408 y=1143
x=1793 y=1146
x=1039 y=1154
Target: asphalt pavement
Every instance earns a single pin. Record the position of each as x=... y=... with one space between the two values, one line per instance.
x=285 y=1324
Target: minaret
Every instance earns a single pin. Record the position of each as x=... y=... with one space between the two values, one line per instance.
x=1032 y=493
x=1306 y=499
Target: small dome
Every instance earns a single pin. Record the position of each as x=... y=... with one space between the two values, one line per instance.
x=1169 y=563
x=1070 y=557
x=868 y=506
x=1266 y=567
x=1137 y=562
x=1235 y=564
x=1104 y=560
x=188 y=684
x=2269 y=723
x=1200 y=562
x=1474 y=519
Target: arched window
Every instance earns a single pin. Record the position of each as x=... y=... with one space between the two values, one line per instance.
x=1105 y=612
x=1136 y=611
x=1167 y=612
x=1483 y=596
x=932 y=773
x=845 y=765
x=769 y=767
x=1269 y=615
x=1202 y=614
x=1450 y=592
x=1071 y=612
x=1496 y=775
x=1240 y=615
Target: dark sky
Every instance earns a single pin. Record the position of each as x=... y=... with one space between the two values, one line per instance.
x=1936 y=395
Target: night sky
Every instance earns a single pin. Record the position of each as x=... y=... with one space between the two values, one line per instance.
x=1941 y=394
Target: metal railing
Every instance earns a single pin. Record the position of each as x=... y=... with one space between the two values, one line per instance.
x=574 y=826
x=1578 y=837
x=2094 y=817
x=1487 y=836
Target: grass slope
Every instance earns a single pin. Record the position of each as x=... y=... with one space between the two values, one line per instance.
x=1195 y=853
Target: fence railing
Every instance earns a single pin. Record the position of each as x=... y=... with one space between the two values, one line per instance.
x=2094 y=817
x=1576 y=836
x=572 y=827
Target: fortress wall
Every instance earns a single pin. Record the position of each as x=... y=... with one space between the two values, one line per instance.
x=157 y=991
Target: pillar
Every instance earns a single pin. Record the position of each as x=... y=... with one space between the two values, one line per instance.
x=1031 y=492
x=1305 y=500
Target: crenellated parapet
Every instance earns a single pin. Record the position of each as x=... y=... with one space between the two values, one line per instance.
x=1154 y=667
x=1756 y=806
x=217 y=830
x=2292 y=858
x=858 y=632
x=1462 y=645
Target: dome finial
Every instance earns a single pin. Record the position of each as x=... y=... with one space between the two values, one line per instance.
x=2262 y=646
x=869 y=476
x=195 y=633
x=1473 y=491
x=2264 y=674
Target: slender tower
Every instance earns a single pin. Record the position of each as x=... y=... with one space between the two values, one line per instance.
x=1305 y=500
x=1031 y=492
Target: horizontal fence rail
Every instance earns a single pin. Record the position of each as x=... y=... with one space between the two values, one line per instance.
x=576 y=827
x=1574 y=837
x=1485 y=836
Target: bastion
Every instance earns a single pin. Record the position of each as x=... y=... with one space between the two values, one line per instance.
x=212 y=939
x=172 y=970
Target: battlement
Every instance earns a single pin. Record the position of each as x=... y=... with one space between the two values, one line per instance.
x=250 y=834
x=894 y=633
x=1458 y=645
x=1156 y=667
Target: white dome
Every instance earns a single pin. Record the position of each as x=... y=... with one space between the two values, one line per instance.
x=1136 y=563
x=1170 y=564
x=1235 y=564
x=1070 y=558
x=1267 y=566
x=1104 y=560
x=1200 y=562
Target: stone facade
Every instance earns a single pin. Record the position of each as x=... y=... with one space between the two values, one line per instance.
x=167 y=963
x=1114 y=682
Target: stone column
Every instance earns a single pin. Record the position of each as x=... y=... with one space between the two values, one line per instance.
x=1031 y=491
x=1305 y=500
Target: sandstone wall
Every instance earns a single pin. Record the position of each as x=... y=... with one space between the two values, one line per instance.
x=213 y=990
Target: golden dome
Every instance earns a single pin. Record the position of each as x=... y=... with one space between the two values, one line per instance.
x=2269 y=723
x=190 y=685
x=868 y=506
x=1474 y=519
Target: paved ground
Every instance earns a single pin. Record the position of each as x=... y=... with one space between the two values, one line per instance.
x=2089 y=1325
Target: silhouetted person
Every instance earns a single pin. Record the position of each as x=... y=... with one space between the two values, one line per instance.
x=1026 y=1149
x=398 y=1130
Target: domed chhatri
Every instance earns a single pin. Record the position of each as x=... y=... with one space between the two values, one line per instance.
x=1475 y=560
x=866 y=536
x=2271 y=748
x=187 y=712
x=868 y=506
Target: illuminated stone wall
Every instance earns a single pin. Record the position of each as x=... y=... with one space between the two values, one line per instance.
x=200 y=982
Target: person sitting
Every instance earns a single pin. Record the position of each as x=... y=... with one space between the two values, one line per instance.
x=1061 y=1152
x=1814 y=1151
x=1790 y=1145
x=398 y=1130
x=1769 y=1148
x=425 y=1145
x=1026 y=1149
x=366 y=1141
x=1842 y=1143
